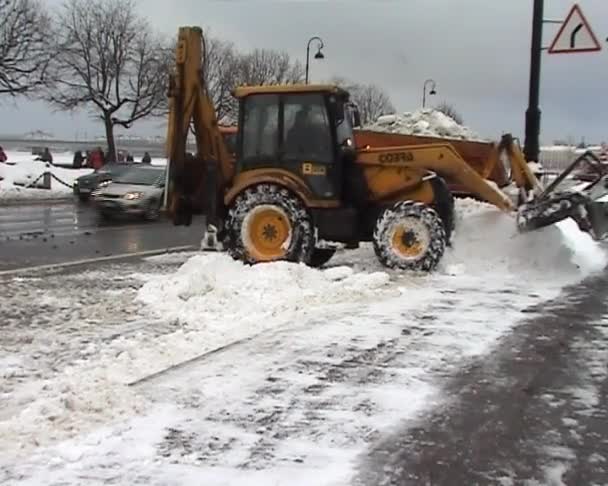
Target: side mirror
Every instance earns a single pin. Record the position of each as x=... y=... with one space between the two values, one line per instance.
x=356 y=119
x=348 y=151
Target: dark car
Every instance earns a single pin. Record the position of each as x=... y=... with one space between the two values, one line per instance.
x=86 y=184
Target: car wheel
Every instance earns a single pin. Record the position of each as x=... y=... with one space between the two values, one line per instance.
x=152 y=211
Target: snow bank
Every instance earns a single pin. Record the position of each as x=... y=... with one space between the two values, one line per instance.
x=23 y=170
x=487 y=241
x=222 y=300
x=426 y=122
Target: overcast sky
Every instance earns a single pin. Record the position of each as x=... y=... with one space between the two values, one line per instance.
x=476 y=50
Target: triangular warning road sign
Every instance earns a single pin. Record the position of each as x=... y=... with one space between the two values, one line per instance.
x=575 y=35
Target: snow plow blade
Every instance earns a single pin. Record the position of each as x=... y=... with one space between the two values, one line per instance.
x=587 y=206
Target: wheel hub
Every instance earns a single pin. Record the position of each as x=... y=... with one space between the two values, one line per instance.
x=266 y=233
x=410 y=239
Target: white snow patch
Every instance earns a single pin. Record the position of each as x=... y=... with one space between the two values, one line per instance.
x=217 y=295
x=535 y=167
x=596 y=458
x=554 y=474
x=24 y=170
x=425 y=122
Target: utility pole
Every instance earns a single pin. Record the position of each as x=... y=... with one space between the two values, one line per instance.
x=533 y=114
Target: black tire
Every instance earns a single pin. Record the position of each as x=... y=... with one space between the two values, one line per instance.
x=106 y=216
x=152 y=212
x=320 y=256
x=418 y=222
x=301 y=242
x=83 y=197
x=444 y=205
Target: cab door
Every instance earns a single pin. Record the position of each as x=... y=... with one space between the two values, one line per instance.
x=308 y=145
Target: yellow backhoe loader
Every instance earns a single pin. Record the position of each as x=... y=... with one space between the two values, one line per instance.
x=298 y=187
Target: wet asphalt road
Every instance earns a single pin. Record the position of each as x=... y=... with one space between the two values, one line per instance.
x=32 y=235
x=534 y=412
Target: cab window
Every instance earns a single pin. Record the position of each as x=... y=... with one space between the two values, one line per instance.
x=260 y=127
x=307 y=134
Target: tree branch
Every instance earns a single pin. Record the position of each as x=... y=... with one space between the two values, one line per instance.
x=24 y=55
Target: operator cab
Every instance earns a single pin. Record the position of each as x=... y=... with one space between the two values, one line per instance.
x=303 y=129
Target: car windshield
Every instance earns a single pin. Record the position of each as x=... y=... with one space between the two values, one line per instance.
x=141 y=176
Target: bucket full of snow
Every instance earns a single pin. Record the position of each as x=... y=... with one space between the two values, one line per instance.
x=425 y=122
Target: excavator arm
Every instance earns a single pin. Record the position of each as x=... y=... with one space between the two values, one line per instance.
x=196 y=181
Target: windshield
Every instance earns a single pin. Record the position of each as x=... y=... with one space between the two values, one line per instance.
x=141 y=176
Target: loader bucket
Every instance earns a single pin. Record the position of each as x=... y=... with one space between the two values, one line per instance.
x=588 y=206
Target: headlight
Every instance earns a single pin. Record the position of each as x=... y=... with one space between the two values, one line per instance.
x=130 y=196
x=104 y=183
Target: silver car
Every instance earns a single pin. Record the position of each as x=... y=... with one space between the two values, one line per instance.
x=139 y=191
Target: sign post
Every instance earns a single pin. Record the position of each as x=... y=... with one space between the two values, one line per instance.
x=575 y=36
x=533 y=113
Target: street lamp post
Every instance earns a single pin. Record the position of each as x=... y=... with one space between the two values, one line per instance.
x=318 y=55
x=432 y=92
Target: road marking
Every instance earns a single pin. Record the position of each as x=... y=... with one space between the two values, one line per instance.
x=74 y=263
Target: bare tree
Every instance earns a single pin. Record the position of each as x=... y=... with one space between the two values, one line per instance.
x=226 y=68
x=371 y=100
x=449 y=110
x=269 y=66
x=23 y=52
x=220 y=70
x=110 y=62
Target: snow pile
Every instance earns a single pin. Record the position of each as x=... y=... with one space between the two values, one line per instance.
x=217 y=294
x=22 y=171
x=487 y=241
x=425 y=122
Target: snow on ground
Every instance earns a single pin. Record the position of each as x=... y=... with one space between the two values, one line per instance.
x=315 y=365
x=425 y=122
x=23 y=169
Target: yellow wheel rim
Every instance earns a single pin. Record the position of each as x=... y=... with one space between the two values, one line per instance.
x=267 y=233
x=410 y=239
